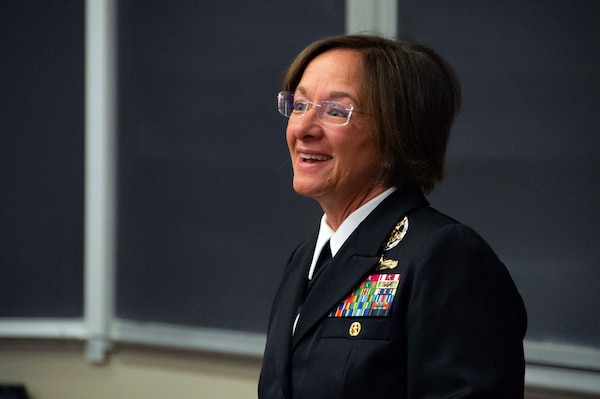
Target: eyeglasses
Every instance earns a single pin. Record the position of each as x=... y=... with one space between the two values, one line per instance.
x=329 y=112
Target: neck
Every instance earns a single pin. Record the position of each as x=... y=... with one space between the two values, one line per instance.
x=337 y=210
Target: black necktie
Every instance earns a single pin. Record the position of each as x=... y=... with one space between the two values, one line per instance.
x=324 y=258
x=321 y=264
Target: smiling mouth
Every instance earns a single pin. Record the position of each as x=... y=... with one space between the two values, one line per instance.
x=313 y=157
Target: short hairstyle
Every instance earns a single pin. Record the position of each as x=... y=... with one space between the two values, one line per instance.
x=412 y=96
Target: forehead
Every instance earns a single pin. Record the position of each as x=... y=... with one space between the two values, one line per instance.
x=333 y=72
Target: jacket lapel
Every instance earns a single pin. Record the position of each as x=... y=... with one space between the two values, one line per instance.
x=289 y=299
x=357 y=257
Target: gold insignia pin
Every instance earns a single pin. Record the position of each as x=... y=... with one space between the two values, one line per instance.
x=354 y=329
x=386 y=264
x=397 y=234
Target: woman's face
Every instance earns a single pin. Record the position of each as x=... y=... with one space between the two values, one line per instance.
x=339 y=166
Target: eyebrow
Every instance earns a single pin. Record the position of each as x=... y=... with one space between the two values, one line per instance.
x=334 y=95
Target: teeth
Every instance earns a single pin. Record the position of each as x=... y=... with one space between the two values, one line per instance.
x=314 y=157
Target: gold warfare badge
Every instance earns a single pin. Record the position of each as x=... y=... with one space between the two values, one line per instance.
x=397 y=234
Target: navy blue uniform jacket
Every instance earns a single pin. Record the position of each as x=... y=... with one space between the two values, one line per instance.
x=454 y=328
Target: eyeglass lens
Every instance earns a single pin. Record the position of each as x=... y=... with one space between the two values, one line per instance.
x=331 y=112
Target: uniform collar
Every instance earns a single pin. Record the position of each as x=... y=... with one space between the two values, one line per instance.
x=338 y=238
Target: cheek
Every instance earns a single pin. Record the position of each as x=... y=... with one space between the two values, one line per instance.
x=360 y=147
x=364 y=156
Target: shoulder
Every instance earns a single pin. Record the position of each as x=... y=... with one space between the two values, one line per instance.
x=435 y=243
x=443 y=233
x=426 y=226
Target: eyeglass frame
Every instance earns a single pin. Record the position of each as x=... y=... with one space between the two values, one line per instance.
x=289 y=107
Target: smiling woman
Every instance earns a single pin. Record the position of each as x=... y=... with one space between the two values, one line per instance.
x=407 y=301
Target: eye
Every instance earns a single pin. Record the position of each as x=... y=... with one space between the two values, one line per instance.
x=300 y=106
x=336 y=110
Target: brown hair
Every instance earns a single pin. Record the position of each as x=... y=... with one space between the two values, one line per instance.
x=412 y=96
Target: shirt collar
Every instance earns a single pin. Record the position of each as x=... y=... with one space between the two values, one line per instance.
x=338 y=238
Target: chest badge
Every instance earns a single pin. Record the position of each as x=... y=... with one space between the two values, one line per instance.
x=354 y=329
x=386 y=264
x=397 y=234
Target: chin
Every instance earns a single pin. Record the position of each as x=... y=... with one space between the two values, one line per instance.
x=306 y=190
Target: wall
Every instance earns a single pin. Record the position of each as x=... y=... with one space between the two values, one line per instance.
x=57 y=369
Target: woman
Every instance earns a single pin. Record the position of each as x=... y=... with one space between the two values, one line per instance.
x=411 y=303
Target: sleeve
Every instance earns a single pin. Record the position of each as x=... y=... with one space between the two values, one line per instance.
x=465 y=321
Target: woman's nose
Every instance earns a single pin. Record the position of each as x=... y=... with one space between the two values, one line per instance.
x=308 y=126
